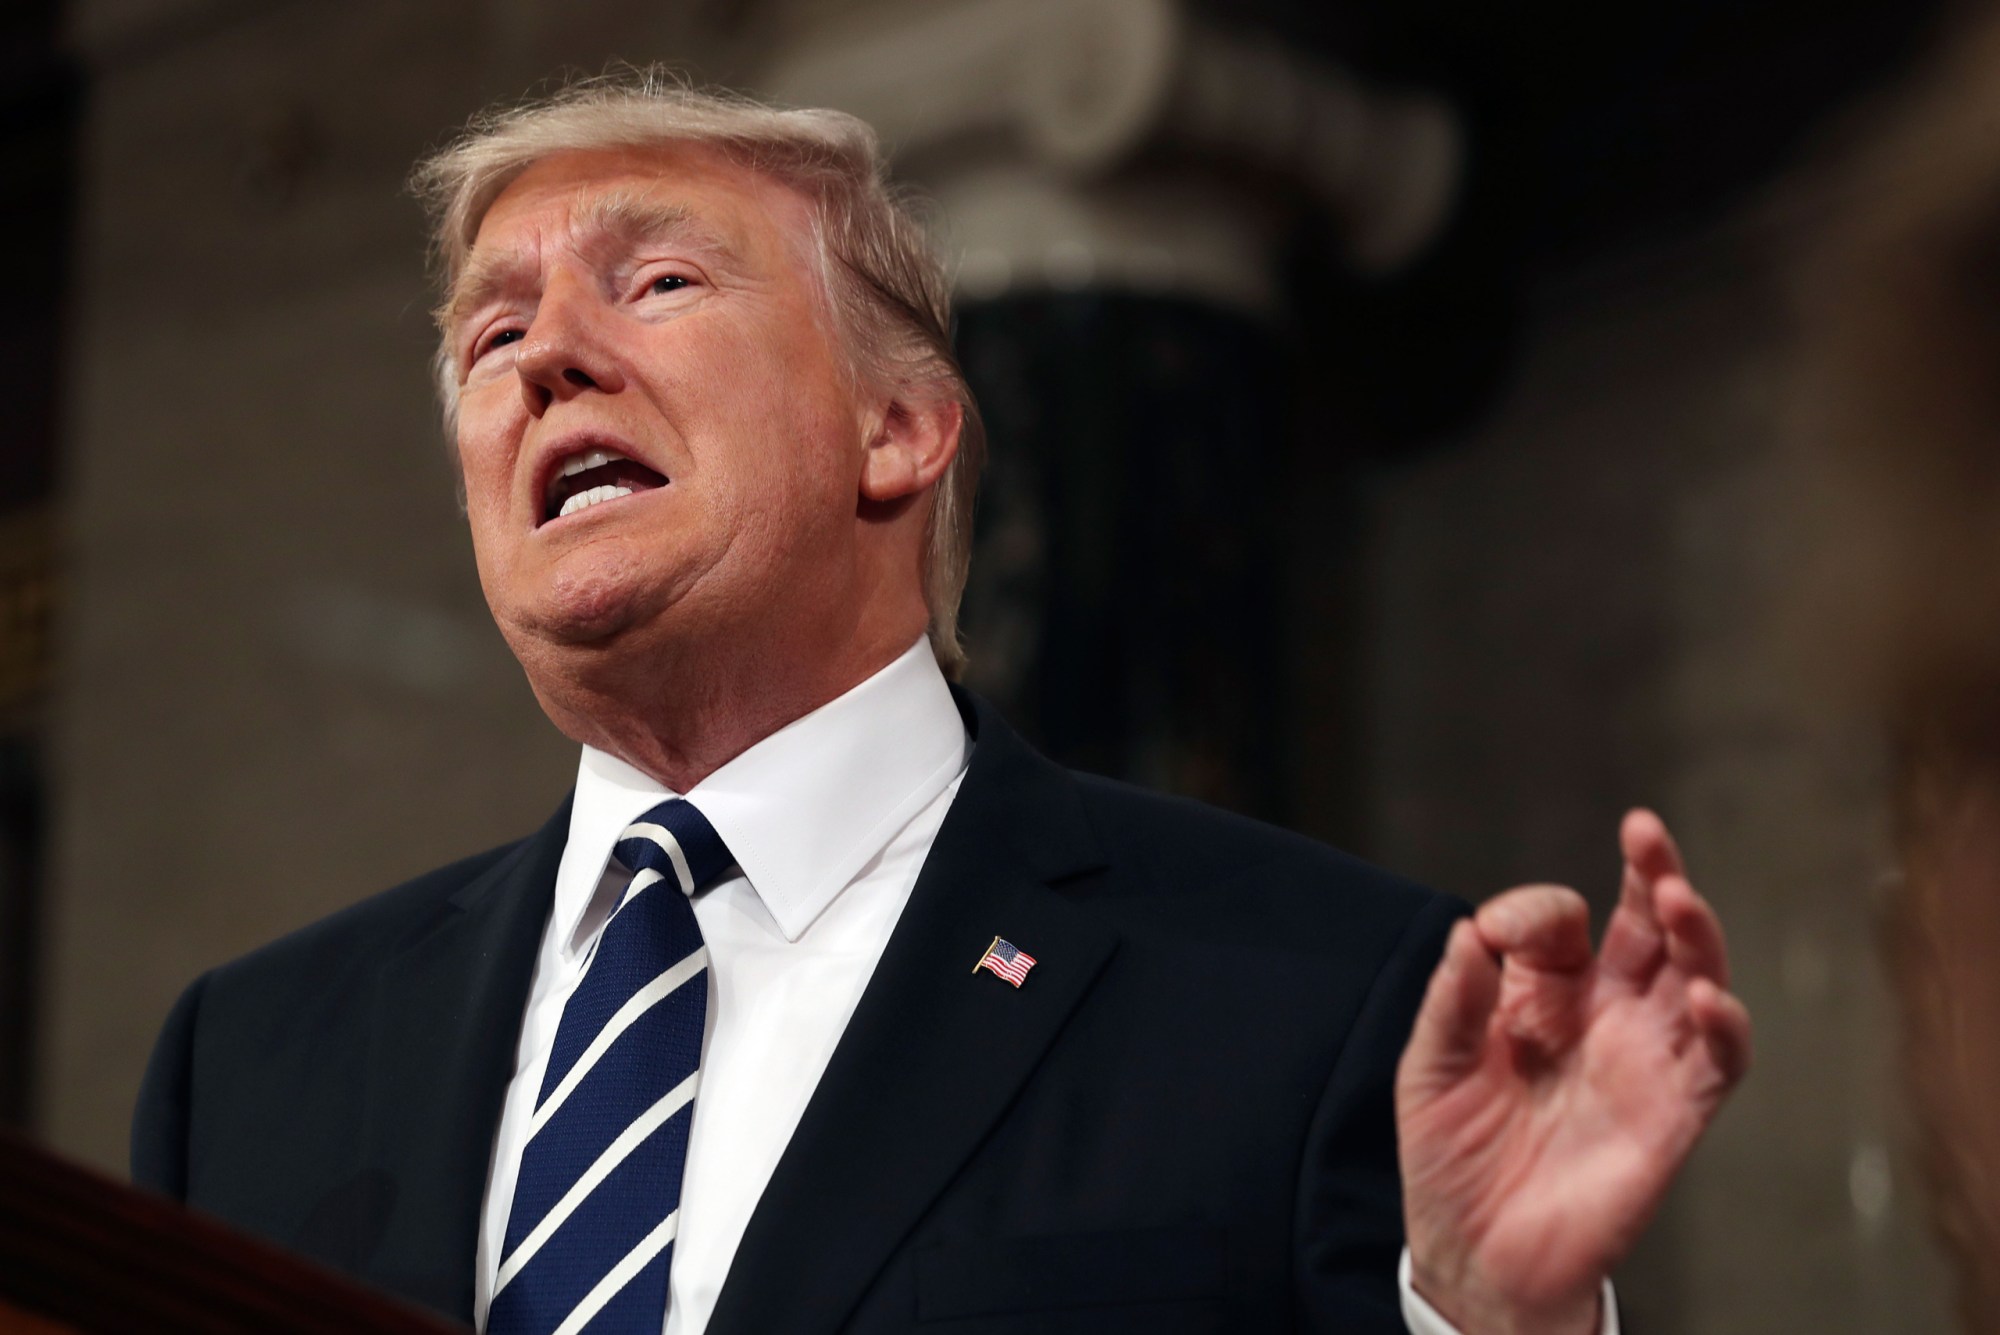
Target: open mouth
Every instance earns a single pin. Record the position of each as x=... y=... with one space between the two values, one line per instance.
x=592 y=478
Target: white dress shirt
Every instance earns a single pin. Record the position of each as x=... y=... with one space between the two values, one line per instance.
x=1423 y=1319
x=829 y=820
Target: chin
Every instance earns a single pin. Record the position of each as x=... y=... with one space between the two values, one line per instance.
x=590 y=607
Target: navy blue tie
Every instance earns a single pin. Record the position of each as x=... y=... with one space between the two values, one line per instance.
x=591 y=1232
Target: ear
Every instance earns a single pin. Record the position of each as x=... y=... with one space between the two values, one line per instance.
x=911 y=448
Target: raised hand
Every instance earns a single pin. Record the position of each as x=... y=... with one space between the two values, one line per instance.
x=1549 y=1095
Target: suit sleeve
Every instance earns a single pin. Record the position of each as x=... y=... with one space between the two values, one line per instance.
x=160 y=1122
x=1349 y=1225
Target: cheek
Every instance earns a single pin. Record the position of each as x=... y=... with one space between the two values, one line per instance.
x=804 y=477
x=485 y=455
x=782 y=431
x=485 y=482
x=486 y=506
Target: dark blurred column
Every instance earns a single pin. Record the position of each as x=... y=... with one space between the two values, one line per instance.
x=39 y=106
x=1120 y=183
x=1124 y=602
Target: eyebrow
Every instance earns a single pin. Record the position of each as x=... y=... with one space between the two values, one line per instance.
x=615 y=220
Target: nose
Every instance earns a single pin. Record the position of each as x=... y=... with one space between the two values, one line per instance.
x=566 y=350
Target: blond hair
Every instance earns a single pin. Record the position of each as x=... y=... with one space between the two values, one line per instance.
x=886 y=289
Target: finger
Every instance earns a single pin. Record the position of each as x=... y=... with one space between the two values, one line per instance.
x=1634 y=941
x=1544 y=927
x=1542 y=933
x=1724 y=1022
x=1648 y=846
x=1450 y=1033
x=1695 y=940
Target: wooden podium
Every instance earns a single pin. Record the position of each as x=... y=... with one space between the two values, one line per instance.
x=82 y=1253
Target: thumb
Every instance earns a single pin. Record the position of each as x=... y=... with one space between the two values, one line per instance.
x=1449 y=1038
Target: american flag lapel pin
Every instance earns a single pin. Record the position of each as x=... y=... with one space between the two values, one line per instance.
x=1006 y=959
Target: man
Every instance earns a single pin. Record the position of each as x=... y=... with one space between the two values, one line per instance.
x=825 y=1003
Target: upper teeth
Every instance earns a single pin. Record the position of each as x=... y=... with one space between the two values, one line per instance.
x=589 y=459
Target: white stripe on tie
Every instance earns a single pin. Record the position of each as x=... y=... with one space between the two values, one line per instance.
x=621 y=1274
x=641 y=878
x=647 y=997
x=628 y=1140
x=669 y=845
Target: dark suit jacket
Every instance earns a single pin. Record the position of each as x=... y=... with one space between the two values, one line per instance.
x=1181 y=1122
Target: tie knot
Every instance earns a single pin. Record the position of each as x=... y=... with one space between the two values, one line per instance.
x=676 y=841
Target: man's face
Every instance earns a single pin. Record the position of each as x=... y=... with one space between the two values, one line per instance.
x=655 y=428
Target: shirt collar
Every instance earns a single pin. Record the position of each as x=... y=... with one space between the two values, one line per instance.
x=803 y=811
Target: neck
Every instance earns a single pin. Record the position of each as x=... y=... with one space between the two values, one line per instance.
x=678 y=714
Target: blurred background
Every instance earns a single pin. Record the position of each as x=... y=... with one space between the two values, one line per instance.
x=1396 y=434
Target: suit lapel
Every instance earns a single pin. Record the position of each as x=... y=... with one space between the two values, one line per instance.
x=447 y=1016
x=934 y=1052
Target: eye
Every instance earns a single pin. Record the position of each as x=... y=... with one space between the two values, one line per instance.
x=665 y=283
x=499 y=338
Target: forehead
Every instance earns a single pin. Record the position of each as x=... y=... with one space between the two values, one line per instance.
x=584 y=198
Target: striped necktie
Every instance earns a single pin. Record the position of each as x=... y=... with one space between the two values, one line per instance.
x=591 y=1232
